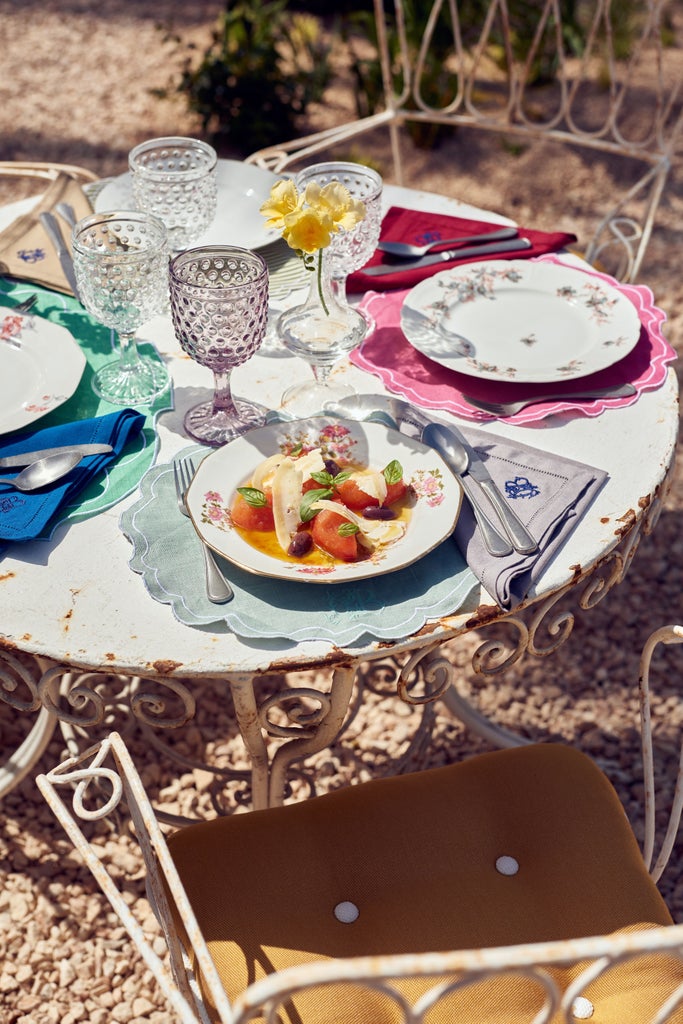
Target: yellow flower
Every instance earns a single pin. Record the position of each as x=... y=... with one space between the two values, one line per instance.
x=308 y=221
x=308 y=230
x=283 y=200
x=336 y=200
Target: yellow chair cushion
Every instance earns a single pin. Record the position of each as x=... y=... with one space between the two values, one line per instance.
x=420 y=857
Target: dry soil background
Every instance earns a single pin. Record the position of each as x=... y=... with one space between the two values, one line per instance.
x=74 y=87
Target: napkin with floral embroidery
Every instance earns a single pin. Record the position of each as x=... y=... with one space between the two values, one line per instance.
x=550 y=494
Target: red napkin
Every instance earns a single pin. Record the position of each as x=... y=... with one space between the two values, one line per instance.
x=418 y=227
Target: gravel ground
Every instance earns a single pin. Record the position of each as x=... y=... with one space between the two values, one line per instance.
x=75 y=83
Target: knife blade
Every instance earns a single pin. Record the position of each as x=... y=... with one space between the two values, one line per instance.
x=519 y=536
x=514 y=244
x=54 y=233
x=26 y=458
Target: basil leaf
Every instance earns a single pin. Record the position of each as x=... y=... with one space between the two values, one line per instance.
x=306 y=513
x=253 y=496
x=324 y=478
x=393 y=472
x=347 y=529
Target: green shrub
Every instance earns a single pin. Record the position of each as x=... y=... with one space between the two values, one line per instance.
x=253 y=84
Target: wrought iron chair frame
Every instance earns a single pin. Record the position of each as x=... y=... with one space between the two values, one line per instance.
x=463 y=967
x=659 y=150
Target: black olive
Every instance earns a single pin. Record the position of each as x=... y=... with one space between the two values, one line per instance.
x=331 y=467
x=300 y=544
x=378 y=512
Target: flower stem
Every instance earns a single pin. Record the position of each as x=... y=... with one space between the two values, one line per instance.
x=320 y=282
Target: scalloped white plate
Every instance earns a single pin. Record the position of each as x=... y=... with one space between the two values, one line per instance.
x=242 y=188
x=432 y=519
x=519 y=320
x=41 y=365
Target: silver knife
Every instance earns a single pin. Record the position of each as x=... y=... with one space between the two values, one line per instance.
x=519 y=536
x=54 y=233
x=451 y=254
x=26 y=458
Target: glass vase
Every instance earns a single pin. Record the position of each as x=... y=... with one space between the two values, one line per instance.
x=320 y=331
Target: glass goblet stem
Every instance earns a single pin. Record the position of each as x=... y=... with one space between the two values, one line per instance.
x=222 y=393
x=129 y=355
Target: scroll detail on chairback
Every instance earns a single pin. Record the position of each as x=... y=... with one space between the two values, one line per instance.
x=492 y=85
x=504 y=889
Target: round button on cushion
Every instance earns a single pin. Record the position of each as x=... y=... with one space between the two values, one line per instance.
x=507 y=865
x=582 y=1008
x=346 y=912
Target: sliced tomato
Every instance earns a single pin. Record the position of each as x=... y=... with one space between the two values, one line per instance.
x=352 y=496
x=310 y=485
x=395 y=491
x=253 y=517
x=325 y=533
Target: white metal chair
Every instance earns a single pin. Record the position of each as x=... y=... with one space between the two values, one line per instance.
x=507 y=888
x=490 y=83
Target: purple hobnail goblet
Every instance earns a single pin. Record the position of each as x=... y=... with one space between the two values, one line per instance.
x=219 y=307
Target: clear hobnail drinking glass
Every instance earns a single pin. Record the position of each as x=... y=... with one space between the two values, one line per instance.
x=349 y=250
x=175 y=178
x=219 y=307
x=326 y=327
x=121 y=265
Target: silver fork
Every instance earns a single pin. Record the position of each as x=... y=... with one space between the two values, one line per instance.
x=26 y=306
x=218 y=589
x=504 y=409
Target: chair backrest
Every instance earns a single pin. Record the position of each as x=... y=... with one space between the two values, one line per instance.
x=326 y=910
x=603 y=76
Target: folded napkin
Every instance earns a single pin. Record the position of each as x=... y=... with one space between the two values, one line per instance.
x=26 y=252
x=24 y=516
x=549 y=493
x=418 y=227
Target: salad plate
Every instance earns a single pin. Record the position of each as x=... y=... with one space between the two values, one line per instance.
x=434 y=504
x=41 y=365
x=520 y=320
x=242 y=188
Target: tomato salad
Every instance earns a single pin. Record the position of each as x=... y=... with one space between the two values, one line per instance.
x=303 y=506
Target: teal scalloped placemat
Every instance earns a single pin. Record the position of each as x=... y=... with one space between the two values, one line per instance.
x=96 y=341
x=167 y=554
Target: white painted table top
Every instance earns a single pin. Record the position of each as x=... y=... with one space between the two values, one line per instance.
x=75 y=599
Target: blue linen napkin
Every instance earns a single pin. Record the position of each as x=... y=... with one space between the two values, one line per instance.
x=24 y=516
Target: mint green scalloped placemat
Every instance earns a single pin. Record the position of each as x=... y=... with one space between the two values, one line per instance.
x=96 y=341
x=167 y=554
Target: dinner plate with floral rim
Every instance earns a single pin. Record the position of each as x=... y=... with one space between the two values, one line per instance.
x=41 y=365
x=434 y=502
x=520 y=320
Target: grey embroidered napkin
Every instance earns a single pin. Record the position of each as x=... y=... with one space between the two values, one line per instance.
x=549 y=493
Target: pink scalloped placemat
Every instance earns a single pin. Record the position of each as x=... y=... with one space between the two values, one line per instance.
x=403 y=370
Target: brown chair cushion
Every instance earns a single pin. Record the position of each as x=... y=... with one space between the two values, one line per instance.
x=417 y=855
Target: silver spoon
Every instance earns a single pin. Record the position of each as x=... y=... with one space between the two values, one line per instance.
x=43 y=472
x=410 y=252
x=458 y=460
